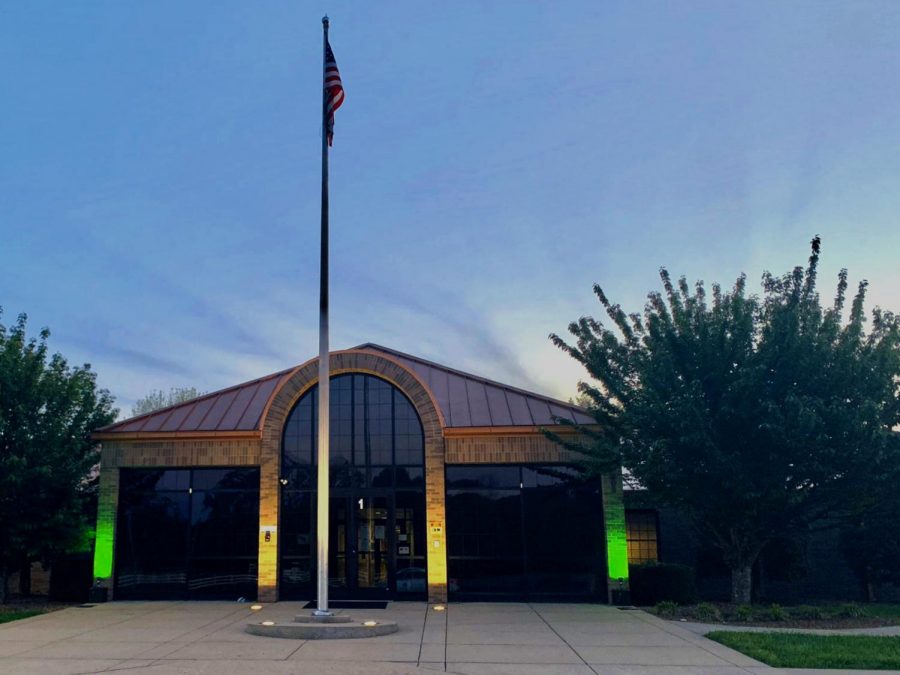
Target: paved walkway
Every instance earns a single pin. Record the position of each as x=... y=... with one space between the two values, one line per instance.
x=168 y=638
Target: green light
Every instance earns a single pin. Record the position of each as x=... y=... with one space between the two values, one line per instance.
x=616 y=540
x=103 y=549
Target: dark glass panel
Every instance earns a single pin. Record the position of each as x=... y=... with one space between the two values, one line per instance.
x=382 y=476
x=489 y=476
x=225 y=479
x=222 y=579
x=224 y=524
x=296 y=524
x=486 y=578
x=550 y=475
x=297 y=476
x=146 y=480
x=484 y=523
x=410 y=477
x=345 y=476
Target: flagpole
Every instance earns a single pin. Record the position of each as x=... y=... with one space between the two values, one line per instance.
x=324 y=382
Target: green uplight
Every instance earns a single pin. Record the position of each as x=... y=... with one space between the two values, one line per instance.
x=103 y=549
x=616 y=540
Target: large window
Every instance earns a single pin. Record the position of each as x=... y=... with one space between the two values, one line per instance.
x=643 y=543
x=532 y=531
x=377 y=456
x=187 y=533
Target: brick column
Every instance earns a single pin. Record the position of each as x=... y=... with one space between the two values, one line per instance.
x=267 y=566
x=105 y=538
x=436 y=518
x=616 y=539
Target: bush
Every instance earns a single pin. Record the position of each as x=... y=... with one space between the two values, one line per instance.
x=776 y=613
x=666 y=609
x=850 y=611
x=659 y=582
x=744 y=613
x=708 y=612
x=807 y=612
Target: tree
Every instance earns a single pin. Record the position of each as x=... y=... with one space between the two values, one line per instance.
x=759 y=417
x=47 y=413
x=157 y=399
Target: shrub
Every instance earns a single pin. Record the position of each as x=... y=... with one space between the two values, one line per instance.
x=807 y=612
x=666 y=609
x=658 y=582
x=707 y=611
x=850 y=610
x=776 y=612
x=744 y=613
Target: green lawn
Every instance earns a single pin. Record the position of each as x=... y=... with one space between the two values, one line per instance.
x=18 y=614
x=797 y=650
x=883 y=610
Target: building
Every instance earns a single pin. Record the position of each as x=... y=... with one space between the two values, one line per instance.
x=443 y=486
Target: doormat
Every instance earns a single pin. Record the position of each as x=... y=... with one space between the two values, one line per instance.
x=350 y=604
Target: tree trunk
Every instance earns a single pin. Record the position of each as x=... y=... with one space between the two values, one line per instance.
x=741 y=584
x=25 y=579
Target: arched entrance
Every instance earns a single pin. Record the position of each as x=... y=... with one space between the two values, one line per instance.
x=377 y=546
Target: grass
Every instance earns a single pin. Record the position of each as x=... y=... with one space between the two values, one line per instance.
x=15 y=615
x=798 y=650
x=884 y=611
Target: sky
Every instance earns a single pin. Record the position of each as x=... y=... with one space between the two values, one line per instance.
x=160 y=172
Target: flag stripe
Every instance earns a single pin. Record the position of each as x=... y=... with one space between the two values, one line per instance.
x=334 y=91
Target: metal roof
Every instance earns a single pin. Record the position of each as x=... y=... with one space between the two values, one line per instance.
x=465 y=400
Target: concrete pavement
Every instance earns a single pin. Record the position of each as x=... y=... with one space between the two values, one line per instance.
x=168 y=638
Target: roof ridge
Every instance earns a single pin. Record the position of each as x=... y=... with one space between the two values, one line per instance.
x=472 y=376
x=170 y=408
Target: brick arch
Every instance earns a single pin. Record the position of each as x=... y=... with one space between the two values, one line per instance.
x=274 y=417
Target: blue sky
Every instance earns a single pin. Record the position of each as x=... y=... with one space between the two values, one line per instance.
x=159 y=172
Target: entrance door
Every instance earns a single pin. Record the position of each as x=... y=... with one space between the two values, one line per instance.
x=361 y=545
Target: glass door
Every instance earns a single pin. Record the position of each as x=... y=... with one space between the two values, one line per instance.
x=373 y=543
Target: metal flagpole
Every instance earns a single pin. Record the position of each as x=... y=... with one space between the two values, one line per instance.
x=323 y=459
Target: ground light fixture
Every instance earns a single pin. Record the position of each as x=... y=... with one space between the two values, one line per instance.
x=439 y=608
x=268 y=623
x=370 y=623
x=256 y=608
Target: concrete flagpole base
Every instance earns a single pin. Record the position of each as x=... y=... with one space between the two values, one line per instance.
x=311 y=627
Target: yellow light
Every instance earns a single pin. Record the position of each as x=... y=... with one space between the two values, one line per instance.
x=370 y=623
x=255 y=607
x=268 y=623
x=439 y=608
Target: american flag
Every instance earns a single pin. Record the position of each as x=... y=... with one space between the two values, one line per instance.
x=334 y=91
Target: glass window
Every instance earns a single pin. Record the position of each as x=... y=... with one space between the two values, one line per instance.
x=532 y=531
x=371 y=424
x=641 y=533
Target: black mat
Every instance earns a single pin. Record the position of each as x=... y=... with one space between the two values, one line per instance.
x=350 y=604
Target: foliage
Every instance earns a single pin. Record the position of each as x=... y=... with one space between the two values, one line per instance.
x=666 y=609
x=6 y=617
x=655 y=582
x=775 y=612
x=157 y=399
x=756 y=415
x=850 y=610
x=47 y=413
x=706 y=611
x=808 y=612
x=744 y=613
x=798 y=650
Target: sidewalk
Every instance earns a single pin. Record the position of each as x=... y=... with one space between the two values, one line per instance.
x=169 y=638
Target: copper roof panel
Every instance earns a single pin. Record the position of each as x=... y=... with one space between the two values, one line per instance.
x=155 y=422
x=237 y=409
x=518 y=408
x=479 y=412
x=540 y=411
x=459 y=402
x=221 y=404
x=177 y=417
x=251 y=417
x=201 y=408
x=498 y=407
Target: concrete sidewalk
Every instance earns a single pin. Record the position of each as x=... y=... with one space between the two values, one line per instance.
x=165 y=638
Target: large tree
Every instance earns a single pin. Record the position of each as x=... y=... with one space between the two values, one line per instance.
x=157 y=399
x=758 y=416
x=47 y=413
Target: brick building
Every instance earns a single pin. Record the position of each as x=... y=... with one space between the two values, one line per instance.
x=443 y=485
